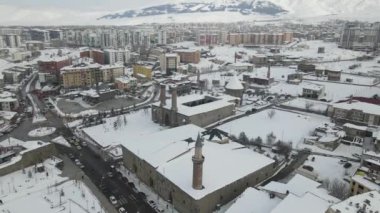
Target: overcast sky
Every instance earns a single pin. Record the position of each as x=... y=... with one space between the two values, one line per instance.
x=82 y=4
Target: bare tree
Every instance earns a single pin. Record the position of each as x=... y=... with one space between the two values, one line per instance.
x=243 y=139
x=284 y=148
x=271 y=113
x=308 y=106
x=271 y=138
x=338 y=189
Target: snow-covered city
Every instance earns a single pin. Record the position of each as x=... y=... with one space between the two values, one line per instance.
x=225 y=106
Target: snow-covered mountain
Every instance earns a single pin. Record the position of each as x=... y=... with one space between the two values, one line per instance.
x=244 y=7
x=169 y=11
x=351 y=9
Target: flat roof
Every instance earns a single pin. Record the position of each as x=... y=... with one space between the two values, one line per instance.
x=253 y=200
x=349 y=205
x=360 y=106
x=309 y=203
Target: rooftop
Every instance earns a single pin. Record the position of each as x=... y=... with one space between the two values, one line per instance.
x=184 y=108
x=370 y=201
x=360 y=106
x=234 y=84
x=253 y=200
x=309 y=203
x=169 y=153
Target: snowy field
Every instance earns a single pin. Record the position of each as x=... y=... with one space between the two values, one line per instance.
x=309 y=49
x=329 y=167
x=45 y=192
x=261 y=124
x=41 y=132
x=121 y=129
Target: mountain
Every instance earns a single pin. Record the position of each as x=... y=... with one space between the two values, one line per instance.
x=100 y=12
x=244 y=7
x=248 y=9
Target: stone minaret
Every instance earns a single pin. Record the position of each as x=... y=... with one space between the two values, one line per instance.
x=198 y=160
x=163 y=95
x=268 y=73
x=174 y=108
x=162 y=102
x=198 y=77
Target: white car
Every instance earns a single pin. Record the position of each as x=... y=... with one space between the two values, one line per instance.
x=122 y=210
x=77 y=162
x=113 y=200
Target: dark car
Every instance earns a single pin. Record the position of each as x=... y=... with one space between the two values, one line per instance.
x=347 y=165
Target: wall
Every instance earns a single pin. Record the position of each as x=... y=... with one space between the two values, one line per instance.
x=30 y=158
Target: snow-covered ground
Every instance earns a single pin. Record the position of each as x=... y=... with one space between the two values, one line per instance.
x=309 y=49
x=260 y=124
x=330 y=167
x=41 y=132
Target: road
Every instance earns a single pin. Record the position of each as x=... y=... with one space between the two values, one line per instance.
x=96 y=169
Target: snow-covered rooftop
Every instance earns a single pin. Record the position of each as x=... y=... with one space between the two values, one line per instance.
x=307 y=203
x=364 y=181
x=253 y=200
x=298 y=185
x=314 y=87
x=169 y=152
x=371 y=200
x=234 y=84
x=361 y=106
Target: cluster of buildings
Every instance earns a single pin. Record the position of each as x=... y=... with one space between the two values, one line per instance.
x=360 y=36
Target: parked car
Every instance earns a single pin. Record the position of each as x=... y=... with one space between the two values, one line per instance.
x=152 y=203
x=347 y=165
x=343 y=161
x=77 y=162
x=356 y=155
x=79 y=147
x=84 y=143
x=158 y=209
x=110 y=174
x=122 y=210
x=71 y=156
x=113 y=200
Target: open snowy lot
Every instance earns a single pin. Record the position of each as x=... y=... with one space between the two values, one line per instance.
x=123 y=128
x=45 y=192
x=330 y=167
x=309 y=49
x=261 y=124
